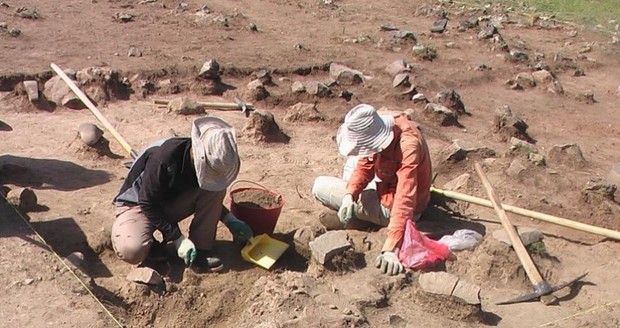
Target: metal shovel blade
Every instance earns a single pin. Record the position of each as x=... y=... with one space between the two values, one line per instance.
x=536 y=295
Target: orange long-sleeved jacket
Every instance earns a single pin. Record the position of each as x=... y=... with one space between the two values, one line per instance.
x=404 y=169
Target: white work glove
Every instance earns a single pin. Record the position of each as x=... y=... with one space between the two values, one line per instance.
x=389 y=264
x=185 y=249
x=345 y=213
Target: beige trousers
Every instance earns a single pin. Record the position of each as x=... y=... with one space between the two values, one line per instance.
x=132 y=232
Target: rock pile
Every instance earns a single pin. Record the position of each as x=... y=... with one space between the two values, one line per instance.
x=262 y=127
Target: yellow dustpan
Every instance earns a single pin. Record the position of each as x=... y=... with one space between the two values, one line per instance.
x=263 y=250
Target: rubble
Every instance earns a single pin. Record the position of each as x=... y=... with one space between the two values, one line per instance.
x=261 y=127
x=318 y=89
x=134 y=52
x=459 y=150
x=586 y=97
x=303 y=236
x=298 y=87
x=103 y=84
x=528 y=235
x=487 y=32
x=146 y=276
x=399 y=37
x=32 y=89
x=345 y=75
x=537 y=159
x=467 y=292
x=401 y=79
x=515 y=168
x=568 y=155
x=441 y=114
x=424 y=52
x=89 y=133
x=607 y=190
x=301 y=112
x=542 y=77
x=185 y=106
x=210 y=70
x=264 y=76
x=439 y=25
x=450 y=99
x=458 y=182
x=397 y=67
x=23 y=198
x=614 y=175
x=256 y=90
x=330 y=244
x=509 y=125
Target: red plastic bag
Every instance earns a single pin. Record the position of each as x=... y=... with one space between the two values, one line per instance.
x=418 y=251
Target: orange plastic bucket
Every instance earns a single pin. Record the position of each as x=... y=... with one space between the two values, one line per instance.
x=261 y=219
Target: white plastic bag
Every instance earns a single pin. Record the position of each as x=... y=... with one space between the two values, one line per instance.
x=462 y=239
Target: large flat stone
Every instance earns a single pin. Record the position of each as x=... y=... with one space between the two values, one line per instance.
x=441 y=283
x=328 y=245
x=32 y=89
x=467 y=291
x=528 y=235
x=146 y=276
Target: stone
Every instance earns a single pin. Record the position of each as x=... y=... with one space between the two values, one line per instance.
x=460 y=149
x=519 y=145
x=330 y=244
x=298 y=87
x=134 y=52
x=185 y=106
x=528 y=235
x=412 y=90
x=607 y=190
x=452 y=45
x=145 y=275
x=402 y=36
x=537 y=159
x=262 y=127
x=458 y=182
x=568 y=155
x=453 y=153
x=467 y=292
x=400 y=79
x=70 y=100
x=424 y=52
x=210 y=70
x=487 y=32
x=395 y=319
x=441 y=114
x=124 y=17
x=542 y=77
x=318 y=89
x=586 y=97
x=168 y=86
x=14 y=32
x=264 y=76
x=419 y=98
x=397 y=67
x=301 y=112
x=23 y=198
x=32 y=90
x=509 y=125
x=76 y=260
x=441 y=283
x=89 y=133
x=525 y=79
x=256 y=90
x=517 y=56
x=579 y=73
x=451 y=99
x=345 y=75
x=439 y=25
x=303 y=236
x=253 y=27
x=515 y=168
x=466 y=24
x=614 y=175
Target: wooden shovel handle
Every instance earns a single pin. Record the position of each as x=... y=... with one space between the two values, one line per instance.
x=517 y=244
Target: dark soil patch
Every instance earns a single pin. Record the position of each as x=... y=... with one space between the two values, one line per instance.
x=255 y=198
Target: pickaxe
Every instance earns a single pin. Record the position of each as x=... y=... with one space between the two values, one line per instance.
x=542 y=289
x=237 y=105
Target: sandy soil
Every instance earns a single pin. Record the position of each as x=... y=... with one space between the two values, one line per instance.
x=297 y=40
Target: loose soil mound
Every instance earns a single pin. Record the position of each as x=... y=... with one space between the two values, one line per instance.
x=256 y=198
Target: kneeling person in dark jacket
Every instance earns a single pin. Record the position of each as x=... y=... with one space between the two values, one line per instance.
x=172 y=180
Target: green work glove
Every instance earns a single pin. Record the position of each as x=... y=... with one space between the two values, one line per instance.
x=240 y=230
x=185 y=249
x=345 y=213
x=389 y=264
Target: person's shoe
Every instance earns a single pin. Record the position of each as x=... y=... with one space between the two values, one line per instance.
x=205 y=262
x=157 y=253
x=329 y=219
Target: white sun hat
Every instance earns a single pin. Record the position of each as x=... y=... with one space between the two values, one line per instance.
x=214 y=148
x=364 y=131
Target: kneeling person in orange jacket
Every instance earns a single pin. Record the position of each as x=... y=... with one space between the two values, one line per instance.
x=394 y=153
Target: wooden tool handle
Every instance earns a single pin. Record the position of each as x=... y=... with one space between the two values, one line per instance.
x=517 y=244
x=94 y=110
x=210 y=105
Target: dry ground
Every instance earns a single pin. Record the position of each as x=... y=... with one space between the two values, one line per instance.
x=76 y=185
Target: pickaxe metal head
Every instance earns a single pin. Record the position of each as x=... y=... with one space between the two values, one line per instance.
x=245 y=108
x=541 y=290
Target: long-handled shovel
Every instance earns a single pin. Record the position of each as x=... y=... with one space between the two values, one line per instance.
x=95 y=111
x=542 y=289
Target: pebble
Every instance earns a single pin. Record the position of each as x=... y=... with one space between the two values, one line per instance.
x=134 y=52
x=333 y=307
x=22 y=198
x=89 y=133
x=298 y=87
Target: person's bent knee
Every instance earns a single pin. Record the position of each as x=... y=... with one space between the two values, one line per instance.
x=131 y=250
x=319 y=185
